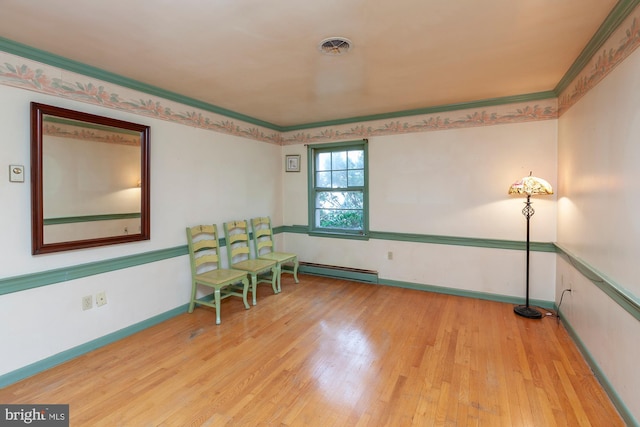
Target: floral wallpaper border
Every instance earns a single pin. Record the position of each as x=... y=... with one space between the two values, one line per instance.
x=67 y=130
x=502 y=114
x=616 y=49
x=31 y=75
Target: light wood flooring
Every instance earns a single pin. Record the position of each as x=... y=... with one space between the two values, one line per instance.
x=333 y=353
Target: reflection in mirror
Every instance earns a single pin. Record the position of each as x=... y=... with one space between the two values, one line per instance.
x=90 y=180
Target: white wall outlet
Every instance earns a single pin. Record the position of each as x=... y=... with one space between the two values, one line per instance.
x=389 y=255
x=101 y=299
x=87 y=302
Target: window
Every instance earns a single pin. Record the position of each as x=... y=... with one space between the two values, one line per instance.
x=338 y=188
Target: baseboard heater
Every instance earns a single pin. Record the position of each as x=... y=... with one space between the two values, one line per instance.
x=348 y=273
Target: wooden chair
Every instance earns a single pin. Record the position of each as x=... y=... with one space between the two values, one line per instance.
x=206 y=269
x=239 y=254
x=263 y=239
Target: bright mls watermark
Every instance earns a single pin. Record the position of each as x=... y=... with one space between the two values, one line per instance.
x=34 y=415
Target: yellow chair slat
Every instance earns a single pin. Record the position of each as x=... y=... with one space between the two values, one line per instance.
x=263 y=232
x=242 y=250
x=263 y=244
x=203 y=244
x=206 y=259
x=235 y=238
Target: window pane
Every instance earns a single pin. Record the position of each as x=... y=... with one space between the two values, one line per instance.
x=340 y=218
x=323 y=162
x=339 y=179
x=339 y=199
x=323 y=179
x=339 y=160
x=356 y=159
x=329 y=199
x=356 y=178
x=353 y=200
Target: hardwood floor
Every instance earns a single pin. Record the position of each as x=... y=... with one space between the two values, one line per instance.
x=333 y=353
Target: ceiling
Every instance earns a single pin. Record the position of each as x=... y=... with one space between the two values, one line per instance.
x=261 y=59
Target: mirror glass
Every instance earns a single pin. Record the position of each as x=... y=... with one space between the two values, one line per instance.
x=89 y=180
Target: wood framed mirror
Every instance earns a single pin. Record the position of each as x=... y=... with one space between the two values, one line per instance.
x=89 y=180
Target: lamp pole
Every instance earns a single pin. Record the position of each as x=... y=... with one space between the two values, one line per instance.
x=526 y=310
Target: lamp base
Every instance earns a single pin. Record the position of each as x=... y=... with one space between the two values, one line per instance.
x=528 y=312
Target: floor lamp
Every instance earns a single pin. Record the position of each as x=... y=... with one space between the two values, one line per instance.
x=529 y=186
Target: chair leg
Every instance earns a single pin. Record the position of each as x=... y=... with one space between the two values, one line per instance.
x=245 y=289
x=275 y=276
x=295 y=269
x=194 y=287
x=254 y=284
x=279 y=277
x=216 y=295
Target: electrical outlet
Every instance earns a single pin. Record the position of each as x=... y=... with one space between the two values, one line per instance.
x=87 y=302
x=101 y=299
x=389 y=255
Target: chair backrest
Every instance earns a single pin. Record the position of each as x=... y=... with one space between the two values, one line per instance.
x=237 y=238
x=204 y=250
x=262 y=235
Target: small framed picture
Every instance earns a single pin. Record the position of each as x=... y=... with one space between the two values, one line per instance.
x=292 y=163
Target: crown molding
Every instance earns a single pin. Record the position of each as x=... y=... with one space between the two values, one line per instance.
x=617 y=15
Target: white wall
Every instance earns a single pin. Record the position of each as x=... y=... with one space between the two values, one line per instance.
x=197 y=176
x=599 y=158
x=450 y=183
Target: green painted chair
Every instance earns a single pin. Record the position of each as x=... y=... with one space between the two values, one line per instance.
x=239 y=254
x=206 y=269
x=263 y=238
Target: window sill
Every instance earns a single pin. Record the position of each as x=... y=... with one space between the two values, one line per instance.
x=338 y=235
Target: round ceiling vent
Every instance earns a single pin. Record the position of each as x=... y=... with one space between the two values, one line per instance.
x=335 y=46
